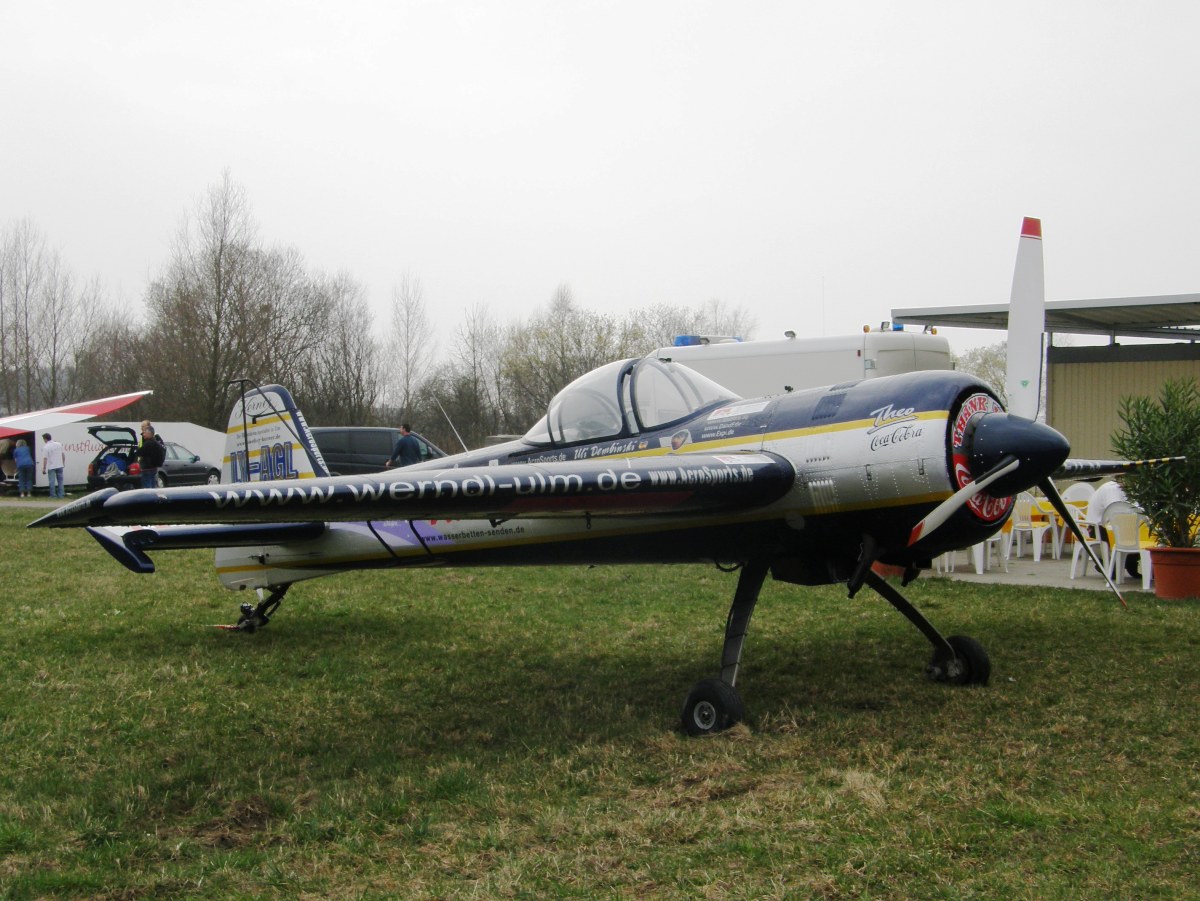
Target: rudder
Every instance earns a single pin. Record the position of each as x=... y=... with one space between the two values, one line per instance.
x=267 y=439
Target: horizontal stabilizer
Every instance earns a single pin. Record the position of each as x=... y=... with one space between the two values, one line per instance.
x=129 y=546
x=682 y=483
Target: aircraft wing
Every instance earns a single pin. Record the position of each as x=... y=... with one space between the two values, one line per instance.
x=40 y=420
x=610 y=486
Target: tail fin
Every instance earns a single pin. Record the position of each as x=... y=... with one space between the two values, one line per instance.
x=267 y=438
x=1026 y=323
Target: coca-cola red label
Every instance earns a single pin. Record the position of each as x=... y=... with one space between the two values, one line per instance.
x=985 y=507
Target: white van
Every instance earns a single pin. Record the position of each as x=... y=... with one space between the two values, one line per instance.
x=761 y=368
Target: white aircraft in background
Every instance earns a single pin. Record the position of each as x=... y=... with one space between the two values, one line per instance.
x=45 y=420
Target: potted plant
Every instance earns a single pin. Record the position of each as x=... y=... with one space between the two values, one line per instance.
x=1168 y=494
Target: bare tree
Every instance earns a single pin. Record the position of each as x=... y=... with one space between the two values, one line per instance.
x=112 y=359
x=45 y=320
x=24 y=257
x=719 y=318
x=225 y=309
x=341 y=381
x=661 y=323
x=410 y=346
x=988 y=364
x=558 y=345
x=469 y=387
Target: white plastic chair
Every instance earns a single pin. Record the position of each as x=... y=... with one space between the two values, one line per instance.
x=1024 y=524
x=1050 y=516
x=981 y=554
x=1124 y=523
x=944 y=563
x=1078 y=493
x=1094 y=538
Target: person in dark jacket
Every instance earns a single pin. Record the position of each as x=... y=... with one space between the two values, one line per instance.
x=151 y=454
x=407 y=451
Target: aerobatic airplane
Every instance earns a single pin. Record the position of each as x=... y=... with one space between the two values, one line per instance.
x=639 y=461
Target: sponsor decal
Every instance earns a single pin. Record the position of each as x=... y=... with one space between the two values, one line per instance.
x=985 y=507
x=897 y=436
x=728 y=412
x=890 y=416
x=271 y=462
x=509 y=486
x=735 y=459
x=625 y=446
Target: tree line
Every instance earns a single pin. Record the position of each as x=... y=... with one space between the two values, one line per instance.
x=226 y=306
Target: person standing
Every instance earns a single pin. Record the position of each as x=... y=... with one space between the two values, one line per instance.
x=54 y=461
x=151 y=454
x=407 y=451
x=25 y=468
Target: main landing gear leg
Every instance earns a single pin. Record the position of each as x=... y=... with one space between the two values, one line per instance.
x=254 y=617
x=958 y=659
x=714 y=705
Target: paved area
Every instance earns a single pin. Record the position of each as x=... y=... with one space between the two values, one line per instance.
x=1048 y=571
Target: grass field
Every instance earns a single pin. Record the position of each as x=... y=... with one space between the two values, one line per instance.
x=512 y=733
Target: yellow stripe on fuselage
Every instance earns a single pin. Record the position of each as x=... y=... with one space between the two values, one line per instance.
x=741 y=441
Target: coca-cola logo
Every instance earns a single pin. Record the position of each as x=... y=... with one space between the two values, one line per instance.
x=985 y=507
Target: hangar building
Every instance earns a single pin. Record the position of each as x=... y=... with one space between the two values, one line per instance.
x=1084 y=385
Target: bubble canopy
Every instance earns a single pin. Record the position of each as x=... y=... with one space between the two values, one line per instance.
x=626 y=398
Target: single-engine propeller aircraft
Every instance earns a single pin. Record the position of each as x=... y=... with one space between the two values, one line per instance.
x=639 y=461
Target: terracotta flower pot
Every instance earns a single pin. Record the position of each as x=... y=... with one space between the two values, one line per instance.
x=1176 y=572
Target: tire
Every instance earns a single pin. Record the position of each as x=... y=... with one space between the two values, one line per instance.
x=214 y=477
x=712 y=706
x=970 y=665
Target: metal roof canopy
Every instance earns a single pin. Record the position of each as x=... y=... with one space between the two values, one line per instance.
x=1170 y=316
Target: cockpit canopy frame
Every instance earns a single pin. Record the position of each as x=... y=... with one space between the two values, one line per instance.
x=624 y=399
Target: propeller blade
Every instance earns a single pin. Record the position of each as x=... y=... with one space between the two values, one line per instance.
x=1026 y=324
x=1090 y=470
x=1060 y=505
x=951 y=505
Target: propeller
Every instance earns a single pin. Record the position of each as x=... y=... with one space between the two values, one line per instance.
x=1012 y=453
x=1060 y=506
x=947 y=508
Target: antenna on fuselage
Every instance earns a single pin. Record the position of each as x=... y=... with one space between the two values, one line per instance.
x=450 y=422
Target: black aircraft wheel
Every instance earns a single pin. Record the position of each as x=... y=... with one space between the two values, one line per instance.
x=712 y=706
x=969 y=666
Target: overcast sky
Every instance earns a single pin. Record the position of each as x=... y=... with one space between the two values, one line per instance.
x=816 y=163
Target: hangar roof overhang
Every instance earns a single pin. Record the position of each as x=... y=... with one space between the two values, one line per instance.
x=1174 y=317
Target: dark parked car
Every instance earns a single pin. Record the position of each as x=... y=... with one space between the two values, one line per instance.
x=116 y=465
x=354 y=450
